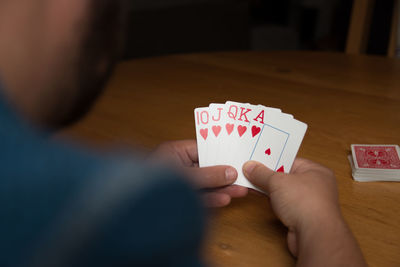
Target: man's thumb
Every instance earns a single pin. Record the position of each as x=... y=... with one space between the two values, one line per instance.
x=259 y=175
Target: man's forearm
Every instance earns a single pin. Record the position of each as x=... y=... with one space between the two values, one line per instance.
x=329 y=244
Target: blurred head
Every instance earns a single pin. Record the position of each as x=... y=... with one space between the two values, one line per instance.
x=56 y=55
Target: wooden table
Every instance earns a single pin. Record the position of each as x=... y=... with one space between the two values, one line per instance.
x=344 y=100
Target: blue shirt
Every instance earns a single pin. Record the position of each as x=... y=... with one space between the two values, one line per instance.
x=63 y=206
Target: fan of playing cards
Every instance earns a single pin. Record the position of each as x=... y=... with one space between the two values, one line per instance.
x=375 y=162
x=233 y=133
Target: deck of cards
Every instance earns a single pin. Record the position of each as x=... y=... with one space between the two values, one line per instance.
x=234 y=133
x=375 y=163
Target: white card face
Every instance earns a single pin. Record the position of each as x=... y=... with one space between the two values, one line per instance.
x=269 y=152
x=258 y=119
x=279 y=142
x=234 y=133
x=202 y=121
x=269 y=109
x=233 y=137
x=242 y=114
x=217 y=133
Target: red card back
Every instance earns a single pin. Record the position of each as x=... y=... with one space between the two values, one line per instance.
x=377 y=157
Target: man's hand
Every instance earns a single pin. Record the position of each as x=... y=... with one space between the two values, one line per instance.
x=306 y=201
x=215 y=183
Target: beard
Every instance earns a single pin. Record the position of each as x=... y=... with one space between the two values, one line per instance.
x=101 y=48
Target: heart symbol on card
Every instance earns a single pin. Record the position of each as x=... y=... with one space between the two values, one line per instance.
x=281 y=169
x=229 y=128
x=216 y=130
x=268 y=152
x=241 y=130
x=255 y=130
x=204 y=133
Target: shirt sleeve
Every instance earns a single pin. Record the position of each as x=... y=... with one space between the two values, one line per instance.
x=127 y=215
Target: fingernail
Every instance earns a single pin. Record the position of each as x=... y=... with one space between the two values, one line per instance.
x=230 y=174
x=249 y=166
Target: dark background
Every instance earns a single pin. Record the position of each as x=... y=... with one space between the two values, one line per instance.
x=159 y=27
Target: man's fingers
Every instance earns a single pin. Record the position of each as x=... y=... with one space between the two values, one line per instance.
x=191 y=149
x=212 y=177
x=177 y=153
x=216 y=200
x=304 y=165
x=222 y=197
x=234 y=191
x=301 y=165
x=259 y=175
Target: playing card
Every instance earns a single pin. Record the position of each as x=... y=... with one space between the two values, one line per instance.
x=202 y=121
x=234 y=133
x=262 y=115
x=217 y=117
x=376 y=157
x=371 y=163
x=374 y=176
x=241 y=114
x=279 y=142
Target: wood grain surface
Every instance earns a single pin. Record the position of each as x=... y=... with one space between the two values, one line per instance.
x=344 y=99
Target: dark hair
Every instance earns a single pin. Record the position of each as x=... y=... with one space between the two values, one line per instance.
x=107 y=29
x=103 y=43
